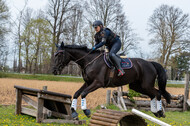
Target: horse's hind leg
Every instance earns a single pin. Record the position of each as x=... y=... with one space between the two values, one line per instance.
x=156 y=102
x=153 y=93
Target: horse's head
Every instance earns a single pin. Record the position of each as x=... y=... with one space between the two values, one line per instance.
x=60 y=59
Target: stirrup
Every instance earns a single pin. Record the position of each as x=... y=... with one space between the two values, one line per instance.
x=121 y=72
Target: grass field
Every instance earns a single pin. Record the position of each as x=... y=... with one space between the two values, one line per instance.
x=8 y=118
x=57 y=84
x=40 y=77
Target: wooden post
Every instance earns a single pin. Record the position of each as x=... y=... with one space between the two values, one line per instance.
x=45 y=88
x=186 y=94
x=108 y=95
x=119 y=98
x=18 y=101
x=40 y=104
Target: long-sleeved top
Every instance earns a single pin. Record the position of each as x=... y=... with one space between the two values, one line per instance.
x=105 y=37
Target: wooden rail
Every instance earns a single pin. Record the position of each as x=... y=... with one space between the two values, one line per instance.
x=48 y=104
x=107 y=117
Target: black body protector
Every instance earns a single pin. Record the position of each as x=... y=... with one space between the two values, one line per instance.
x=112 y=41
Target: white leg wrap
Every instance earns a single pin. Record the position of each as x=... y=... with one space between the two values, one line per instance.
x=159 y=105
x=74 y=104
x=83 y=104
x=153 y=105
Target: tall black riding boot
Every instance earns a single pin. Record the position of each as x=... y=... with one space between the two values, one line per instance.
x=117 y=61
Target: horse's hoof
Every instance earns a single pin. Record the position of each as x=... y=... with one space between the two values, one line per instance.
x=87 y=113
x=157 y=115
x=161 y=114
x=74 y=115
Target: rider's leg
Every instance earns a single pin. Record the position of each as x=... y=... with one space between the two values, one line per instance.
x=74 y=101
x=114 y=49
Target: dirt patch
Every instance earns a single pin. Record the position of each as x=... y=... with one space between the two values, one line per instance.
x=98 y=97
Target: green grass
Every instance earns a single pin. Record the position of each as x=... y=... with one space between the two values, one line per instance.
x=176 y=85
x=40 y=77
x=8 y=118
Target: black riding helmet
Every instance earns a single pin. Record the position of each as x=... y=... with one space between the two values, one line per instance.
x=97 y=23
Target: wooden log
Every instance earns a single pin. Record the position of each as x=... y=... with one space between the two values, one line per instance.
x=173 y=97
x=18 y=101
x=188 y=102
x=56 y=98
x=29 y=101
x=34 y=104
x=40 y=115
x=28 y=111
x=45 y=88
x=114 y=113
x=60 y=115
x=102 y=123
x=106 y=116
x=94 y=125
x=77 y=122
x=146 y=103
x=186 y=93
x=111 y=111
x=29 y=93
x=35 y=91
x=119 y=98
x=108 y=95
x=68 y=108
x=104 y=119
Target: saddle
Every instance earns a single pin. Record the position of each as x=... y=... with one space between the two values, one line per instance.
x=125 y=62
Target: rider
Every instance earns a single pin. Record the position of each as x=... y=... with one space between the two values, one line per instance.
x=104 y=36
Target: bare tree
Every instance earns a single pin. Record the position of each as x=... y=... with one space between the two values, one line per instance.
x=74 y=24
x=104 y=10
x=110 y=12
x=57 y=15
x=169 y=26
x=4 y=19
x=121 y=26
x=19 y=28
x=26 y=36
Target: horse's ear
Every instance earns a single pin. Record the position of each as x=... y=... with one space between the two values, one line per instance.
x=62 y=44
x=56 y=45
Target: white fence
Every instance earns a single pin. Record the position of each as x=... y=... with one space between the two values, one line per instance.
x=175 y=82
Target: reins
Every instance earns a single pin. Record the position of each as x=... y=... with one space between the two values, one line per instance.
x=84 y=57
x=93 y=60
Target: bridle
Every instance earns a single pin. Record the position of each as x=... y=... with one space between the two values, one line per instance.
x=63 y=51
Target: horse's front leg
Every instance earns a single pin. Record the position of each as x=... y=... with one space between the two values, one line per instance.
x=92 y=87
x=74 y=102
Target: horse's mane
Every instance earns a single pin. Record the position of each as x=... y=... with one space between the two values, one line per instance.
x=82 y=47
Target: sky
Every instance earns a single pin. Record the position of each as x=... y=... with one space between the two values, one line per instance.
x=137 y=12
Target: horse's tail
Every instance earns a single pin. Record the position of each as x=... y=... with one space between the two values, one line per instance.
x=162 y=79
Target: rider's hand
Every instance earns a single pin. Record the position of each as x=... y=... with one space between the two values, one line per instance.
x=94 y=48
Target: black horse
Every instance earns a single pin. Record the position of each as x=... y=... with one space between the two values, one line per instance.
x=141 y=77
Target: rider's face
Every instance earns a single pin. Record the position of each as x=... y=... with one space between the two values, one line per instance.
x=97 y=29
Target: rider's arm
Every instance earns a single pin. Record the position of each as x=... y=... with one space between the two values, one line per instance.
x=103 y=42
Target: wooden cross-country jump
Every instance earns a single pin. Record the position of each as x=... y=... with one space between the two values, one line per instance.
x=48 y=104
